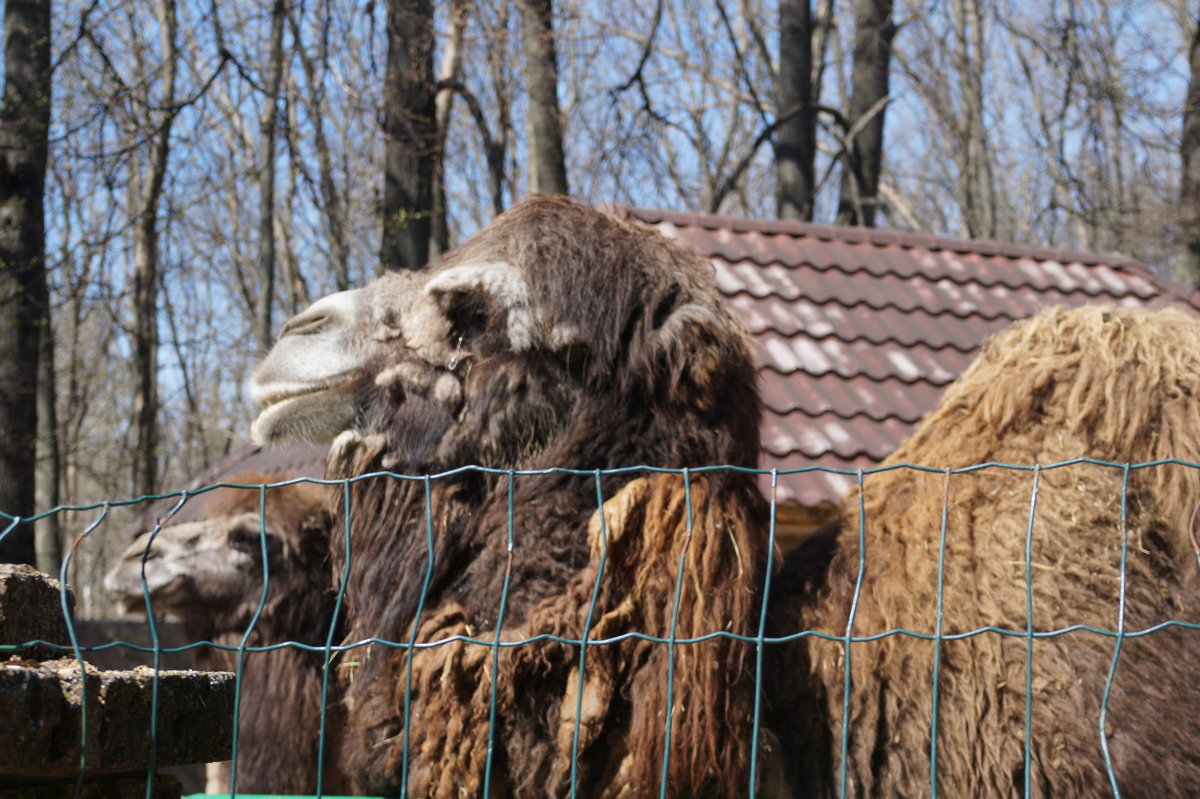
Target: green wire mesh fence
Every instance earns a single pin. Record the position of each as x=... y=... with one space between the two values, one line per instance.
x=851 y=639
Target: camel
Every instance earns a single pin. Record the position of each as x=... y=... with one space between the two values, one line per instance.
x=559 y=341
x=209 y=574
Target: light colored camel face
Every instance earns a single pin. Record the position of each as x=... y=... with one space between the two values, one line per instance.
x=308 y=384
x=395 y=332
x=191 y=564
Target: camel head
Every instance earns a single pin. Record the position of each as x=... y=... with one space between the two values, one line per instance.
x=216 y=564
x=555 y=322
x=192 y=564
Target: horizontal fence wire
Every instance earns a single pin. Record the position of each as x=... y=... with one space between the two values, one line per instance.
x=760 y=640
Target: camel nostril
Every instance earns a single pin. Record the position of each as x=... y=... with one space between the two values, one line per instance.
x=305 y=324
x=319 y=317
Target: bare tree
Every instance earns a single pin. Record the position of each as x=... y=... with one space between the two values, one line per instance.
x=796 y=138
x=547 y=164
x=977 y=184
x=496 y=141
x=410 y=131
x=494 y=149
x=48 y=532
x=823 y=25
x=295 y=285
x=331 y=201
x=448 y=79
x=1073 y=141
x=265 y=266
x=146 y=189
x=944 y=63
x=1189 y=178
x=863 y=158
x=24 y=311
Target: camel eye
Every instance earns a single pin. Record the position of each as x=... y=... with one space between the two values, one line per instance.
x=246 y=536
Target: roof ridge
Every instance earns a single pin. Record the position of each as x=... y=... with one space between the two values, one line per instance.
x=1172 y=290
x=884 y=237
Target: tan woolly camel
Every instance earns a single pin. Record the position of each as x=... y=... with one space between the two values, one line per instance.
x=1111 y=384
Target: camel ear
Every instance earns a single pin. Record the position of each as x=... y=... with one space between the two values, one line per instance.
x=683 y=323
x=492 y=285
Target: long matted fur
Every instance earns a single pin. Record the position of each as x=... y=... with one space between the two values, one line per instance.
x=1106 y=383
x=560 y=337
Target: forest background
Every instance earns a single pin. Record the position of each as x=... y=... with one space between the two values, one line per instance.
x=179 y=176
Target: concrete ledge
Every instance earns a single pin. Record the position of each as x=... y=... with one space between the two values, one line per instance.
x=43 y=703
x=30 y=608
x=115 y=788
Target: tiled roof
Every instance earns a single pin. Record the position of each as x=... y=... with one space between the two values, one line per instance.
x=861 y=330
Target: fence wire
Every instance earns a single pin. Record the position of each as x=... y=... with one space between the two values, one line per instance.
x=760 y=641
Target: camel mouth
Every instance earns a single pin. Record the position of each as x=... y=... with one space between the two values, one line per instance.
x=130 y=605
x=270 y=394
x=125 y=584
x=134 y=607
x=314 y=412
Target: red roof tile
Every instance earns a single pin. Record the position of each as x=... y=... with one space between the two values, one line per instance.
x=860 y=330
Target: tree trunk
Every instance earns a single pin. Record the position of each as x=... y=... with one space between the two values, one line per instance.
x=48 y=531
x=145 y=352
x=265 y=266
x=450 y=72
x=410 y=129
x=496 y=146
x=24 y=127
x=859 y=197
x=331 y=199
x=977 y=188
x=796 y=138
x=547 y=166
x=147 y=188
x=823 y=30
x=194 y=427
x=296 y=288
x=1189 y=184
